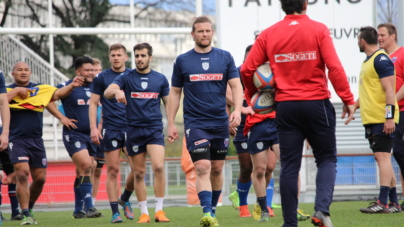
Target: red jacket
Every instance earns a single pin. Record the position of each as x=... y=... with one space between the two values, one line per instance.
x=298 y=50
x=398 y=60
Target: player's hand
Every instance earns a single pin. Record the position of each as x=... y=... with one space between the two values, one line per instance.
x=247 y=110
x=350 y=110
x=3 y=142
x=23 y=92
x=120 y=97
x=389 y=126
x=235 y=119
x=96 y=136
x=6 y=180
x=232 y=131
x=172 y=133
x=78 y=81
x=69 y=123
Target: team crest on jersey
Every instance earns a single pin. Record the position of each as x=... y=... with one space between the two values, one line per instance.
x=226 y=142
x=67 y=138
x=244 y=145
x=394 y=59
x=369 y=131
x=205 y=65
x=10 y=145
x=114 y=143
x=260 y=145
x=77 y=144
x=44 y=161
x=135 y=148
x=187 y=132
x=144 y=84
x=88 y=93
x=103 y=132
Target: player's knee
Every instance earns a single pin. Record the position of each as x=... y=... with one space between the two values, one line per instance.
x=216 y=171
x=259 y=172
x=40 y=180
x=22 y=175
x=268 y=172
x=139 y=175
x=113 y=173
x=158 y=169
x=201 y=171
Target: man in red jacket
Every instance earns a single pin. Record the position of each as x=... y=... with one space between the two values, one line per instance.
x=298 y=50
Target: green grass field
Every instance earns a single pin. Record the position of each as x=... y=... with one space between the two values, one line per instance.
x=343 y=214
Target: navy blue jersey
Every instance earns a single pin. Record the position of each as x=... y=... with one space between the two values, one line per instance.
x=2 y=83
x=25 y=123
x=240 y=128
x=384 y=66
x=76 y=107
x=113 y=112
x=204 y=78
x=143 y=93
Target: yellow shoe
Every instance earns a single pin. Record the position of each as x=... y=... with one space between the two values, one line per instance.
x=215 y=223
x=302 y=216
x=256 y=212
x=144 y=218
x=160 y=216
x=207 y=220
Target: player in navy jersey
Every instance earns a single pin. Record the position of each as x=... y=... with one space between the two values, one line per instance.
x=76 y=137
x=204 y=72
x=113 y=134
x=143 y=88
x=26 y=147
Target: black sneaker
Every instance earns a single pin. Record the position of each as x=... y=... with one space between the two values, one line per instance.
x=376 y=208
x=93 y=213
x=17 y=217
x=321 y=219
x=3 y=218
x=80 y=214
x=394 y=208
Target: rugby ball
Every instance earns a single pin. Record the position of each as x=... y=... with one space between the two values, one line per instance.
x=263 y=102
x=263 y=78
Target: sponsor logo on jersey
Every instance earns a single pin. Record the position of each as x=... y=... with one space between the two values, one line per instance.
x=297 y=56
x=294 y=23
x=205 y=65
x=81 y=102
x=23 y=158
x=260 y=145
x=383 y=58
x=204 y=59
x=144 y=95
x=244 y=145
x=144 y=78
x=44 y=161
x=114 y=143
x=200 y=142
x=199 y=150
x=221 y=151
x=205 y=77
x=135 y=148
x=144 y=84
x=77 y=144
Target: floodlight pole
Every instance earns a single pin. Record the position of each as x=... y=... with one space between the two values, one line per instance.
x=198 y=8
x=400 y=23
x=132 y=36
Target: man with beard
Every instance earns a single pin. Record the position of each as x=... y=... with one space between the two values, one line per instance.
x=77 y=139
x=204 y=72
x=113 y=137
x=143 y=88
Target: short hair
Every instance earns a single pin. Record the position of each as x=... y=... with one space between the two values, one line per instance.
x=200 y=19
x=97 y=61
x=369 y=34
x=117 y=47
x=293 y=6
x=142 y=46
x=391 y=29
x=248 y=48
x=80 y=61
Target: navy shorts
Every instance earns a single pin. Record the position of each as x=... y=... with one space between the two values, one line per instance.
x=375 y=129
x=100 y=152
x=240 y=141
x=139 y=137
x=398 y=145
x=77 y=141
x=262 y=136
x=113 y=139
x=30 y=150
x=6 y=165
x=217 y=138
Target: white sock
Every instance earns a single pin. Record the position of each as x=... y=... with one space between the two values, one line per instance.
x=143 y=207
x=159 y=204
x=93 y=201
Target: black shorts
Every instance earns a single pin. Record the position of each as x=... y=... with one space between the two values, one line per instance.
x=380 y=143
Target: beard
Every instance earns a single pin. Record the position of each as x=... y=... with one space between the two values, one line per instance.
x=361 y=48
x=145 y=66
x=199 y=44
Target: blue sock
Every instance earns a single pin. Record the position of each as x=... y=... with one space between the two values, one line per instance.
x=31 y=205
x=78 y=199
x=206 y=201
x=126 y=195
x=215 y=199
x=242 y=190
x=393 y=195
x=86 y=187
x=12 y=194
x=270 y=192
x=26 y=213
x=114 y=207
x=262 y=201
x=384 y=194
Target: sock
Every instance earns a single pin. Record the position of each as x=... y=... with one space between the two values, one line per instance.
x=393 y=195
x=159 y=204
x=270 y=192
x=215 y=200
x=143 y=207
x=15 y=209
x=206 y=201
x=262 y=201
x=114 y=207
x=26 y=213
x=242 y=190
x=31 y=205
x=384 y=194
x=85 y=188
x=126 y=195
x=78 y=199
x=93 y=199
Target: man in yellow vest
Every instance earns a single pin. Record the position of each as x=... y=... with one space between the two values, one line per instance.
x=379 y=112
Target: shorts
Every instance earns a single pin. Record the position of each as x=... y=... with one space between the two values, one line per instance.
x=375 y=129
x=113 y=139
x=262 y=136
x=30 y=150
x=6 y=165
x=100 y=152
x=139 y=137
x=214 y=139
x=378 y=141
x=398 y=141
x=240 y=141
x=77 y=141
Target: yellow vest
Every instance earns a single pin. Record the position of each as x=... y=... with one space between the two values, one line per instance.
x=37 y=100
x=372 y=97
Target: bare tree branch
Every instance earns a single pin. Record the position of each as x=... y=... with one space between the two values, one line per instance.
x=5 y=13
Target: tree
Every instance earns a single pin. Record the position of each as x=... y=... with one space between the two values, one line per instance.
x=387 y=11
